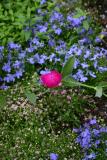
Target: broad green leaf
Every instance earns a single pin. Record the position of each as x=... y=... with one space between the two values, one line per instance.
x=79 y=13
x=99 y=91
x=102 y=84
x=86 y=25
x=27 y=35
x=28 y=13
x=68 y=67
x=30 y=96
x=70 y=82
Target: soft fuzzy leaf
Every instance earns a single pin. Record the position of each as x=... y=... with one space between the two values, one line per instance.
x=68 y=81
x=86 y=25
x=30 y=96
x=99 y=91
x=102 y=84
x=68 y=67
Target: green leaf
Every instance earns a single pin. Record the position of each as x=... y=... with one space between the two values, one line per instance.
x=86 y=25
x=102 y=84
x=99 y=91
x=68 y=67
x=2 y=100
x=70 y=82
x=28 y=13
x=79 y=13
x=30 y=96
x=27 y=35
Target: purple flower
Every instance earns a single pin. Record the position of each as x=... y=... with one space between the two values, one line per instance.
x=30 y=49
x=85 y=40
x=1 y=48
x=85 y=133
x=18 y=73
x=44 y=71
x=6 y=67
x=87 y=54
x=91 y=156
x=98 y=40
x=93 y=121
x=52 y=56
x=42 y=59
x=35 y=41
x=31 y=60
x=58 y=31
x=76 y=63
x=22 y=55
x=56 y=16
x=51 y=42
x=84 y=65
x=42 y=28
x=97 y=142
x=53 y=156
x=92 y=74
x=1 y=79
x=42 y=2
x=17 y=64
x=75 y=22
x=4 y=87
x=14 y=46
x=95 y=132
x=9 y=78
x=102 y=69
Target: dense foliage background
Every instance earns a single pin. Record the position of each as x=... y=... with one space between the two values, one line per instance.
x=67 y=122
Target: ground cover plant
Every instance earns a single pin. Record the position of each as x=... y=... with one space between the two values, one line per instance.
x=53 y=68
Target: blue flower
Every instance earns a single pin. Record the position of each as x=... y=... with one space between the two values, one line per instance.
x=98 y=40
x=14 y=46
x=1 y=48
x=58 y=31
x=31 y=60
x=91 y=156
x=9 y=78
x=6 y=67
x=42 y=72
x=92 y=121
x=42 y=28
x=22 y=54
x=51 y=42
x=18 y=73
x=43 y=1
x=17 y=64
x=4 y=87
x=53 y=156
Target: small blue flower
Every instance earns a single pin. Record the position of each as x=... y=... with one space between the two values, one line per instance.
x=53 y=156
x=43 y=1
x=93 y=121
x=98 y=40
x=6 y=67
x=58 y=31
x=91 y=156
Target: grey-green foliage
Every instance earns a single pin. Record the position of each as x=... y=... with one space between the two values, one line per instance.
x=14 y=17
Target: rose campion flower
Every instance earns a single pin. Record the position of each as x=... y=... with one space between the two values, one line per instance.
x=51 y=79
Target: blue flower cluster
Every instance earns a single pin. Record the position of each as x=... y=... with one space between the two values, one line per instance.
x=87 y=60
x=56 y=37
x=92 y=138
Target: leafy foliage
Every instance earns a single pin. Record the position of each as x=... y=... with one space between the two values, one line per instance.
x=14 y=18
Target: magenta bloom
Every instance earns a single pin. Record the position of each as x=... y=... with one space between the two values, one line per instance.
x=51 y=79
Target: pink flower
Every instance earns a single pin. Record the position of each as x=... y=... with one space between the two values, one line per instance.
x=51 y=79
